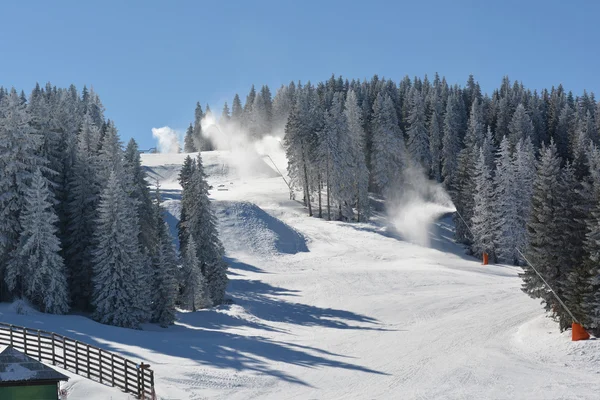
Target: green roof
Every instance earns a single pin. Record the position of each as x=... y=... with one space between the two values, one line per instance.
x=18 y=367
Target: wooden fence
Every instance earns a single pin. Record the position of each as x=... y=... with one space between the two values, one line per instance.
x=81 y=358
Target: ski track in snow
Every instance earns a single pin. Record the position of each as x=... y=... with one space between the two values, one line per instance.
x=326 y=310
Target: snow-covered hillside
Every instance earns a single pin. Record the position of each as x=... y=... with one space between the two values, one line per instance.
x=331 y=310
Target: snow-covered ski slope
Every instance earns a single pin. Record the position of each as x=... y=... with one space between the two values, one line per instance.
x=326 y=310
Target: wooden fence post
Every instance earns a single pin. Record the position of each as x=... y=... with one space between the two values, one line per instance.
x=53 y=349
x=39 y=346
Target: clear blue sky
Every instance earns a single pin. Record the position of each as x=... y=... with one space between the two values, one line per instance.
x=150 y=61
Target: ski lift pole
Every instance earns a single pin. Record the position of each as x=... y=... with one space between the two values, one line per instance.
x=465 y=222
x=282 y=177
x=549 y=287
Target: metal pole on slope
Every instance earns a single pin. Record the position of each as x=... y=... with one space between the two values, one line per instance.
x=280 y=174
x=549 y=287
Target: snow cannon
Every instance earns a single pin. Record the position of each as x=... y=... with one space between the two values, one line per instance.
x=486 y=258
x=578 y=332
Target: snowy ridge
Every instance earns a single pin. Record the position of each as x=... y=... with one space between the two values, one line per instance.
x=333 y=310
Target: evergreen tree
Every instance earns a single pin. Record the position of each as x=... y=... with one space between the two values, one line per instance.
x=544 y=238
x=225 y=116
x=237 y=110
x=139 y=192
x=188 y=143
x=520 y=127
x=451 y=144
x=18 y=161
x=117 y=260
x=506 y=210
x=82 y=199
x=164 y=278
x=185 y=175
x=201 y=225
x=298 y=141
x=524 y=170
x=418 y=138
x=435 y=147
x=195 y=293
x=389 y=150
x=591 y=301
x=358 y=165
x=484 y=229
x=36 y=261
x=248 y=105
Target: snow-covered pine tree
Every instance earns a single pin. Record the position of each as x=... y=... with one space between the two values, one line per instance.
x=248 y=105
x=225 y=114
x=451 y=143
x=520 y=127
x=185 y=175
x=544 y=235
x=189 y=145
x=330 y=152
x=465 y=181
x=591 y=302
x=110 y=157
x=267 y=101
x=524 y=170
x=36 y=262
x=506 y=210
x=117 y=260
x=18 y=161
x=201 y=224
x=82 y=198
x=298 y=142
x=282 y=105
x=483 y=226
x=195 y=294
x=139 y=192
x=574 y=285
x=257 y=118
x=165 y=287
x=418 y=137
x=236 y=110
x=360 y=173
x=388 y=149
x=435 y=147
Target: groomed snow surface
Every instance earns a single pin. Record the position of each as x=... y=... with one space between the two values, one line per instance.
x=327 y=310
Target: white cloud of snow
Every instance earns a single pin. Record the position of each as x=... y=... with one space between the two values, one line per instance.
x=248 y=155
x=420 y=203
x=168 y=139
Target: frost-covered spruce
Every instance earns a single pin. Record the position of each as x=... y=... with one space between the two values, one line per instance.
x=451 y=143
x=520 y=127
x=505 y=207
x=188 y=144
x=164 y=284
x=18 y=161
x=483 y=213
x=194 y=294
x=332 y=154
x=591 y=302
x=82 y=199
x=201 y=224
x=117 y=260
x=185 y=175
x=389 y=150
x=418 y=137
x=139 y=192
x=36 y=261
x=356 y=156
x=524 y=170
x=544 y=235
